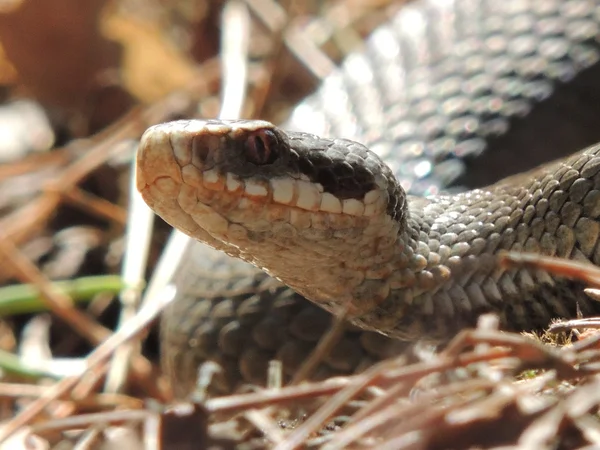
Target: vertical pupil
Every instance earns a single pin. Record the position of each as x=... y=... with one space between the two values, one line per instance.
x=259 y=146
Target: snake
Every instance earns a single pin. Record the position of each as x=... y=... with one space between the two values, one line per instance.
x=368 y=202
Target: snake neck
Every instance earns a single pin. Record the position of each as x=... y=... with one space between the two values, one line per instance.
x=354 y=269
x=329 y=260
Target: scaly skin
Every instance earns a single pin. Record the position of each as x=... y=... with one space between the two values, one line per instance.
x=328 y=218
x=516 y=79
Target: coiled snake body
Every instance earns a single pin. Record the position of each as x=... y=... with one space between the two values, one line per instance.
x=440 y=84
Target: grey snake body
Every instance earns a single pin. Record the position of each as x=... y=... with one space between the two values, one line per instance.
x=441 y=91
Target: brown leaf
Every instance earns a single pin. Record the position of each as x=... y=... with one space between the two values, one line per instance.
x=57 y=49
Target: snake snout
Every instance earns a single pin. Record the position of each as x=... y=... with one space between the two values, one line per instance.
x=156 y=164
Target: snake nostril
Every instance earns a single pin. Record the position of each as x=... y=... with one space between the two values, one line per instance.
x=261 y=147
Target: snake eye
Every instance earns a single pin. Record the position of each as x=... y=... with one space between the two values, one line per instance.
x=261 y=147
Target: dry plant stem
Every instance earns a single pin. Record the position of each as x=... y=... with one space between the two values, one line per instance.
x=58 y=302
x=95 y=362
x=385 y=398
x=266 y=425
x=359 y=427
x=343 y=14
x=305 y=46
x=593 y=293
x=519 y=348
x=264 y=10
x=95 y=206
x=62 y=306
x=543 y=430
x=272 y=14
x=133 y=269
x=89 y=439
x=14 y=390
x=387 y=375
x=275 y=374
x=428 y=421
x=234 y=56
x=575 y=324
x=558 y=266
x=580 y=404
x=378 y=412
x=320 y=417
x=487 y=406
x=326 y=343
x=309 y=54
x=523 y=348
x=416 y=418
x=34 y=162
x=85 y=420
x=585 y=344
x=89 y=382
x=569 y=362
x=118 y=374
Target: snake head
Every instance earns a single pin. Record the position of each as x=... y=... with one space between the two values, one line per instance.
x=292 y=203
